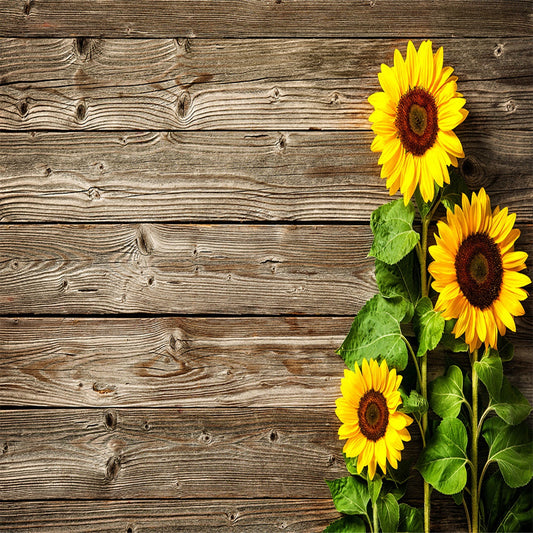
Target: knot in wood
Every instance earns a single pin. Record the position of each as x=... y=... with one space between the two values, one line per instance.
x=23 y=107
x=112 y=468
x=498 y=51
x=27 y=7
x=184 y=103
x=473 y=173
x=110 y=420
x=81 y=111
x=510 y=106
x=144 y=242
x=93 y=193
x=273 y=436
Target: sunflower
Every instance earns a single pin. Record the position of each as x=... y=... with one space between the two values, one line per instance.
x=476 y=271
x=367 y=410
x=413 y=121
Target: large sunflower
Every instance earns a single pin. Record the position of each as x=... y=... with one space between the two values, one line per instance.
x=476 y=271
x=367 y=410
x=413 y=121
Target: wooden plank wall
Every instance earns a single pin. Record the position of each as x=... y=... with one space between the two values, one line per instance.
x=185 y=190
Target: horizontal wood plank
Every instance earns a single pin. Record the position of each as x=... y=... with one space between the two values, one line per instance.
x=191 y=516
x=188 y=269
x=77 y=84
x=250 y=18
x=186 y=362
x=165 y=516
x=184 y=269
x=229 y=176
x=168 y=453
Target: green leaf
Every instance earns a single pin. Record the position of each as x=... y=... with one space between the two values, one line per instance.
x=376 y=332
x=392 y=226
x=399 y=280
x=351 y=464
x=388 y=513
x=446 y=393
x=449 y=341
x=458 y=498
x=490 y=371
x=498 y=499
x=374 y=488
x=520 y=515
x=443 y=461
x=506 y=349
x=512 y=449
x=452 y=193
x=428 y=325
x=511 y=405
x=415 y=404
x=350 y=495
x=411 y=519
x=346 y=524
x=425 y=207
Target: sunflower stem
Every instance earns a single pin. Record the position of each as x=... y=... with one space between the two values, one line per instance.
x=467 y=516
x=475 y=428
x=415 y=360
x=424 y=359
x=375 y=516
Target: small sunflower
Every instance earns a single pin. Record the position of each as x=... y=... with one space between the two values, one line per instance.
x=413 y=121
x=476 y=271
x=367 y=410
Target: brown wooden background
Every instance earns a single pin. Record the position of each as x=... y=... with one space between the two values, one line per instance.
x=185 y=190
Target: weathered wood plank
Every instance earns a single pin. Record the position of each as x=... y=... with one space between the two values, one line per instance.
x=183 y=269
x=186 y=362
x=191 y=516
x=168 y=453
x=259 y=84
x=165 y=516
x=241 y=176
x=251 y=18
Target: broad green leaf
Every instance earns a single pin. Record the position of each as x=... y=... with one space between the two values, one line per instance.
x=443 y=461
x=351 y=464
x=511 y=406
x=388 y=513
x=374 y=488
x=428 y=325
x=394 y=236
x=449 y=341
x=446 y=393
x=452 y=192
x=346 y=524
x=415 y=404
x=506 y=349
x=497 y=499
x=490 y=371
x=376 y=332
x=512 y=449
x=425 y=207
x=411 y=519
x=520 y=515
x=350 y=495
x=399 y=280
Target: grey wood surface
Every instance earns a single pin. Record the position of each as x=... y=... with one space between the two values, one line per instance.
x=196 y=252
x=251 y=18
x=229 y=176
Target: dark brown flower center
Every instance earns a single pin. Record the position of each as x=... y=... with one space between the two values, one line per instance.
x=417 y=121
x=373 y=415
x=479 y=269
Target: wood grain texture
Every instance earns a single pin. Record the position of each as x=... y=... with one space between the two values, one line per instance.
x=229 y=176
x=168 y=453
x=187 y=362
x=273 y=18
x=165 y=516
x=194 y=516
x=259 y=84
x=183 y=269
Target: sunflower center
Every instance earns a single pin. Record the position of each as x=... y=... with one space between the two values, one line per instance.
x=417 y=121
x=373 y=415
x=479 y=269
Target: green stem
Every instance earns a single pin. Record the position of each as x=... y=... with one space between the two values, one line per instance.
x=424 y=358
x=482 y=476
x=475 y=495
x=375 y=516
x=482 y=419
x=415 y=360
